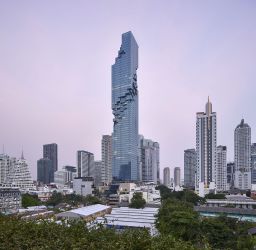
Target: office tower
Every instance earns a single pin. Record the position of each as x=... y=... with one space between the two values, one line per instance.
x=51 y=152
x=106 y=158
x=45 y=173
x=253 y=162
x=189 y=168
x=230 y=175
x=177 y=177
x=19 y=175
x=149 y=160
x=206 y=141
x=221 y=170
x=166 y=176
x=97 y=173
x=85 y=164
x=242 y=138
x=125 y=165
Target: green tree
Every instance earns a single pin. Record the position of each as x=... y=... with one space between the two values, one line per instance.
x=20 y=234
x=185 y=195
x=91 y=200
x=55 y=199
x=178 y=219
x=30 y=200
x=215 y=196
x=137 y=201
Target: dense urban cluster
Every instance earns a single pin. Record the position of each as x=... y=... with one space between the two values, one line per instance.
x=84 y=206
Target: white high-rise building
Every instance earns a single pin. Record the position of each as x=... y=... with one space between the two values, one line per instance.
x=242 y=137
x=149 y=160
x=177 y=177
x=106 y=158
x=19 y=175
x=221 y=171
x=167 y=178
x=206 y=146
x=5 y=162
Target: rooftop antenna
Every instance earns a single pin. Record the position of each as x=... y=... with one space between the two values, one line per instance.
x=3 y=149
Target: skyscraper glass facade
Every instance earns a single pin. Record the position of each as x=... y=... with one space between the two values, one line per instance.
x=125 y=111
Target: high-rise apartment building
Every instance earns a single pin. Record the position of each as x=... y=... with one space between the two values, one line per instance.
x=5 y=163
x=206 y=146
x=177 y=177
x=221 y=171
x=125 y=165
x=106 y=158
x=149 y=160
x=45 y=173
x=167 y=177
x=242 y=138
x=50 y=151
x=253 y=162
x=15 y=172
x=85 y=164
x=189 y=168
x=230 y=175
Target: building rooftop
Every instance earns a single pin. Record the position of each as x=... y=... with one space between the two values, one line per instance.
x=130 y=217
x=85 y=211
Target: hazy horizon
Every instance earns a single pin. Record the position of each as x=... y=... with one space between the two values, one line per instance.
x=55 y=73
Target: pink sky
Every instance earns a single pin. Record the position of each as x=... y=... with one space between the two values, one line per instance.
x=55 y=72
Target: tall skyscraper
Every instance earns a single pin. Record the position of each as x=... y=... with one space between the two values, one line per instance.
x=242 y=138
x=221 y=171
x=51 y=152
x=45 y=173
x=85 y=164
x=206 y=143
x=149 y=160
x=167 y=177
x=177 y=177
x=189 y=167
x=106 y=158
x=253 y=162
x=125 y=165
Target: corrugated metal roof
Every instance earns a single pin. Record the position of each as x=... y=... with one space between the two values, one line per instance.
x=85 y=211
x=130 y=217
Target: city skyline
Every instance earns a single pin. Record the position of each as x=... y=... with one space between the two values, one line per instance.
x=58 y=74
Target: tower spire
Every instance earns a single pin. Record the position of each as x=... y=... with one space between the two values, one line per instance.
x=22 y=154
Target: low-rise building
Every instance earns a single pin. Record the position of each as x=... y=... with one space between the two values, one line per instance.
x=124 y=217
x=10 y=200
x=236 y=201
x=83 y=186
x=88 y=213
